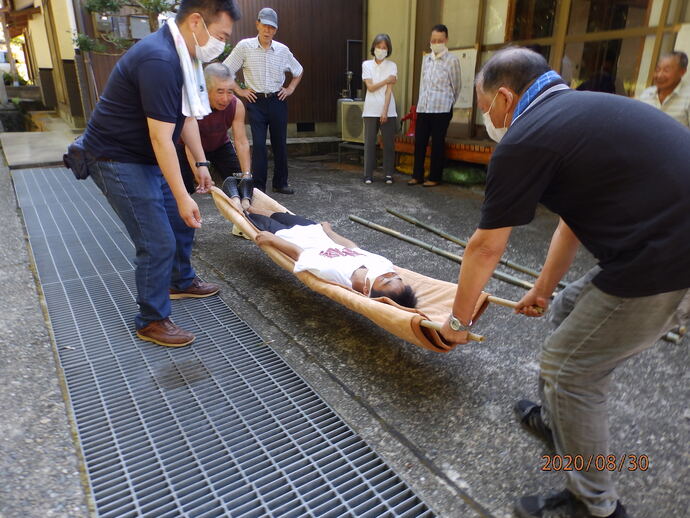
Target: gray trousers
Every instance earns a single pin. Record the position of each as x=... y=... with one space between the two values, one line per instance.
x=595 y=333
x=371 y=130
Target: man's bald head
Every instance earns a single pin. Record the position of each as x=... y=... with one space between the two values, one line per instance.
x=512 y=67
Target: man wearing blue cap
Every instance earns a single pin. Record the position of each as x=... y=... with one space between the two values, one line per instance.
x=264 y=63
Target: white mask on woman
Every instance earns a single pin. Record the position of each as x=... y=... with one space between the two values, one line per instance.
x=380 y=54
x=211 y=50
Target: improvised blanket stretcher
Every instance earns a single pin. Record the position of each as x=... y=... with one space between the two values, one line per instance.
x=434 y=297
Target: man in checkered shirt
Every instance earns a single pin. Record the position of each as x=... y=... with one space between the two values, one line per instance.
x=264 y=63
x=439 y=88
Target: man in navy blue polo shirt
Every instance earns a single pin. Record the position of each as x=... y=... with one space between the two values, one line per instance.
x=617 y=172
x=153 y=96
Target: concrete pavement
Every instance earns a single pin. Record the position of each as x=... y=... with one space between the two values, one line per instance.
x=444 y=422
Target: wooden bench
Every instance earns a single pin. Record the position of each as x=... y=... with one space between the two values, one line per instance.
x=461 y=150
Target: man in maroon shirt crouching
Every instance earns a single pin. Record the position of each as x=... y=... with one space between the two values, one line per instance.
x=228 y=112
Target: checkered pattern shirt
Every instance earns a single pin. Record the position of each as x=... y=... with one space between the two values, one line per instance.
x=264 y=69
x=439 y=87
x=677 y=104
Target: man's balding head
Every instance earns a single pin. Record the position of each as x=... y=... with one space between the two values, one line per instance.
x=218 y=81
x=513 y=67
x=501 y=82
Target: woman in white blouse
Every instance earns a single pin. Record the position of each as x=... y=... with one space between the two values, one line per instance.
x=379 y=75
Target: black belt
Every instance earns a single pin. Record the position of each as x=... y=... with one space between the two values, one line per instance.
x=266 y=96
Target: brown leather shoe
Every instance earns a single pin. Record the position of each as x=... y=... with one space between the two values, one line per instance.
x=197 y=290
x=430 y=183
x=165 y=332
x=414 y=181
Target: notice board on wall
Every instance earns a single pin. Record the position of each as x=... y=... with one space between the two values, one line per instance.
x=468 y=61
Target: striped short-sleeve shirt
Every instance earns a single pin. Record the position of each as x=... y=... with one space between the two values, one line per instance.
x=677 y=104
x=264 y=69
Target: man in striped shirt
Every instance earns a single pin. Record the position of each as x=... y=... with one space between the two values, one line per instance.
x=670 y=93
x=264 y=63
x=439 y=88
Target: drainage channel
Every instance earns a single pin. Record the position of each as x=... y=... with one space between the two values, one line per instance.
x=221 y=428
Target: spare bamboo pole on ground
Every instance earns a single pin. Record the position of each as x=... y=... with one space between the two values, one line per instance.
x=457 y=240
x=669 y=337
x=439 y=251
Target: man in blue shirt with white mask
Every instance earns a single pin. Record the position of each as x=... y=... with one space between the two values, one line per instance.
x=153 y=96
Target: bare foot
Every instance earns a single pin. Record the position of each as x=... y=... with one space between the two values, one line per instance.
x=255 y=210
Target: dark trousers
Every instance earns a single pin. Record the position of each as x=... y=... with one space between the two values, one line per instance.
x=434 y=125
x=278 y=221
x=224 y=160
x=265 y=113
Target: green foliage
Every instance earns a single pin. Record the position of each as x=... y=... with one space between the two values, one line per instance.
x=120 y=44
x=103 y=6
x=226 y=52
x=153 y=6
x=87 y=44
x=9 y=79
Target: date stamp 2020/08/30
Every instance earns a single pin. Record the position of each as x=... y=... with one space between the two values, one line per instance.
x=595 y=462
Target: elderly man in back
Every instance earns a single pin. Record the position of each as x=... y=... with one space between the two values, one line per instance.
x=226 y=113
x=264 y=63
x=670 y=93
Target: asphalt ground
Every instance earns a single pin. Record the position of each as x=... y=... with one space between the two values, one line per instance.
x=450 y=413
x=443 y=421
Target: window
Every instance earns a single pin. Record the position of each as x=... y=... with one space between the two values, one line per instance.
x=606 y=15
x=605 y=66
x=533 y=19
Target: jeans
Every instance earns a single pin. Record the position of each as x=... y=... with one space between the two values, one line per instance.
x=596 y=332
x=371 y=130
x=434 y=125
x=224 y=160
x=265 y=113
x=142 y=199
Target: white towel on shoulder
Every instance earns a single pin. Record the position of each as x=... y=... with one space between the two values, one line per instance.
x=194 y=95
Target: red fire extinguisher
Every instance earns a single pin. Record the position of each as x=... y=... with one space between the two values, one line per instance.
x=412 y=116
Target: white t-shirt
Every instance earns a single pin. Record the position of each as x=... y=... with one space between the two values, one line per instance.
x=327 y=259
x=373 y=102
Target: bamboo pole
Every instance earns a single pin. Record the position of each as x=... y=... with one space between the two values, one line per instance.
x=437 y=327
x=457 y=240
x=438 y=251
x=669 y=337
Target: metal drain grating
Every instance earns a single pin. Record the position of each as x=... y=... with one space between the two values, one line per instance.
x=222 y=428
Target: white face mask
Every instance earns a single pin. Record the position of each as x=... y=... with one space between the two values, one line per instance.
x=373 y=273
x=380 y=54
x=437 y=48
x=211 y=50
x=495 y=133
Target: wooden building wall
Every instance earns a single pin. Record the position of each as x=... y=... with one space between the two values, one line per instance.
x=316 y=32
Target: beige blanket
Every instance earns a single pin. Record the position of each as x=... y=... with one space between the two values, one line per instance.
x=435 y=298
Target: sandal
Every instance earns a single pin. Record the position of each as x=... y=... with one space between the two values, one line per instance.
x=414 y=181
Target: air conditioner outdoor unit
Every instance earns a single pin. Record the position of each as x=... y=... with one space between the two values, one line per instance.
x=351 y=121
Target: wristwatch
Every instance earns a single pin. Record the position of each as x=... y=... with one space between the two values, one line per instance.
x=457 y=325
x=204 y=164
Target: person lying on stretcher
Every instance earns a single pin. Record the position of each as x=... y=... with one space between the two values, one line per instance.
x=318 y=249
